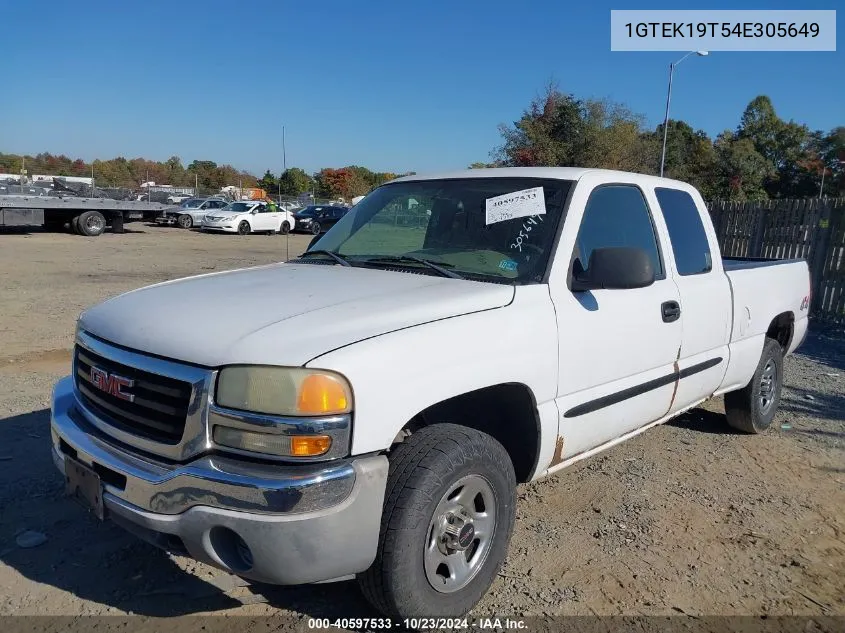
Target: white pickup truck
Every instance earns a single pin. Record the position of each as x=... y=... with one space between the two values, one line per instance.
x=453 y=336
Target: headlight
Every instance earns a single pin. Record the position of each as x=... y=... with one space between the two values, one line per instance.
x=283 y=391
x=271 y=411
x=272 y=443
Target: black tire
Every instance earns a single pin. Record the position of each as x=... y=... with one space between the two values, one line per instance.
x=185 y=221
x=91 y=223
x=117 y=222
x=423 y=469
x=285 y=228
x=752 y=408
x=315 y=228
x=74 y=225
x=54 y=222
x=244 y=228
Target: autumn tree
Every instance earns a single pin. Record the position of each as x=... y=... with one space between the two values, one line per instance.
x=560 y=130
x=741 y=170
x=295 y=181
x=268 y=182
x=690 y=156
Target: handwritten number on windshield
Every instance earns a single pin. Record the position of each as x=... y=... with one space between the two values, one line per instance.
x=524 y=230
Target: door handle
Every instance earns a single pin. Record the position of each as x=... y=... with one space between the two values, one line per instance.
x=671 y=311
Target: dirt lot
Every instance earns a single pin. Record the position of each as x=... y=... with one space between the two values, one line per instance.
x=687 y=518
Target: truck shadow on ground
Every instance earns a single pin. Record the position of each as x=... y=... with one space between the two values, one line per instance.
x=99 y=562
x=825 y=346
x=703 y=421
x=814 y=404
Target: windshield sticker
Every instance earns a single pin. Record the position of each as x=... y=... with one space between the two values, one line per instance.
x=519 y=204
x=524 y=230
x=509 y=265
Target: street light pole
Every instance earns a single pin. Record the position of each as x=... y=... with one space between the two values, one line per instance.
x=668 y=99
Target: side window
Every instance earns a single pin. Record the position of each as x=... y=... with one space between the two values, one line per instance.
x=617 y=215
x=686 y=232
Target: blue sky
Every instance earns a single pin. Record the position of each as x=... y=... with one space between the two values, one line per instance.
x=394 y=86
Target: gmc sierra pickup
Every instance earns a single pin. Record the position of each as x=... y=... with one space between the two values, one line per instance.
x=368 y=409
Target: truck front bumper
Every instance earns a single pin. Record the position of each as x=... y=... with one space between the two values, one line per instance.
x=280 y=524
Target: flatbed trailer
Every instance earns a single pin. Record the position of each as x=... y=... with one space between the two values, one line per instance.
x=83 y=216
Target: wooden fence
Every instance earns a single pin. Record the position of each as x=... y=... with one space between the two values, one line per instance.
x=813 y=230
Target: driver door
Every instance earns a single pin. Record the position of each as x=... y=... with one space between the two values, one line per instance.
x=262 y=219
x=617 y=350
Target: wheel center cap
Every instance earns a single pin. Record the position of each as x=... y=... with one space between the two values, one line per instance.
x=466 y=536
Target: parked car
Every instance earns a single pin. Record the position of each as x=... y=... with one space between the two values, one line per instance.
x=539 y=317
x=191 y=212
x=318 y=219
x=249 y=217
x=178 y=198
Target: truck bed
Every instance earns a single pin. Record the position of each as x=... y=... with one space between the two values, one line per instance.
x=743 y=263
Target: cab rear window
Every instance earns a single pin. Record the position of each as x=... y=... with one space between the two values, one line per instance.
x=686 y=231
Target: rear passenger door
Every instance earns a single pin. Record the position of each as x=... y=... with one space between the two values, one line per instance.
x=616 y=348
x=706 y=304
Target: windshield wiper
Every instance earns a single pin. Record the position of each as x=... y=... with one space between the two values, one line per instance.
x=340 y=260
x=419 y=260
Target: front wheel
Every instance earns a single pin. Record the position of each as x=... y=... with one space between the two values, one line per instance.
x=447 y=521
x=185 y=221
x=315 y=228
x=752 y=408
x=243 y=228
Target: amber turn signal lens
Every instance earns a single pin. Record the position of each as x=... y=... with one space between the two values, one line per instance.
x=309 y=445
x=321 y=394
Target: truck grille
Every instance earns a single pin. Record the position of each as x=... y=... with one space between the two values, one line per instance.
x=159 y=406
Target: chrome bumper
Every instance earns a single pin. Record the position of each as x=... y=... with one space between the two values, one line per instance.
x=297 y=523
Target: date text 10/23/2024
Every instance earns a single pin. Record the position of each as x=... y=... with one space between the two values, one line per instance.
x=456 y=624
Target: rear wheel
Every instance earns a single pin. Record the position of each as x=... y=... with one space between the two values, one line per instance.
x=74 y=225
x=91 y=223
x=448 y=517
x=285 y=228
x=185 y=221
x=243 y=228
x=752 y=408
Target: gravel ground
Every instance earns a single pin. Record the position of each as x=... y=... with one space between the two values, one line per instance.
x=687 y=518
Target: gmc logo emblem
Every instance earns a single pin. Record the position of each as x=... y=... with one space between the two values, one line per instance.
x=112 y=384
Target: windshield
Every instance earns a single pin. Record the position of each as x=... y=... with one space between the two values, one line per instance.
x=191 y=204
x=237 y=207
x=496 y=229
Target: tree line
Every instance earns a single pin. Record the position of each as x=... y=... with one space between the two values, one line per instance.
x=765 y=157
x=130 y=173
x=345 y=182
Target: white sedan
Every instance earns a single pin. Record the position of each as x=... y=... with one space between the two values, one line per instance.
x=248 y=217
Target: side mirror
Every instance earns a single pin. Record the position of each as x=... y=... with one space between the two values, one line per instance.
x=615 y=268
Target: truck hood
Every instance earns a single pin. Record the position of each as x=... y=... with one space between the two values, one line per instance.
x=281 y=314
